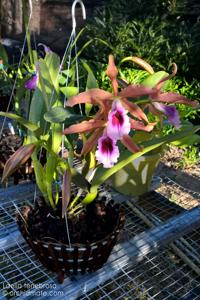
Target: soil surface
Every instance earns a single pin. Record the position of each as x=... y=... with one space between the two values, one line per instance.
x=93 y=224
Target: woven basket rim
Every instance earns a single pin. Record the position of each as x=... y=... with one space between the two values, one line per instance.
x=119 y=223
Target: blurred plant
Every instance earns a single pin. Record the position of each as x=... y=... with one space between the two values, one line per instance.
x=5 y=77
x=191 y=156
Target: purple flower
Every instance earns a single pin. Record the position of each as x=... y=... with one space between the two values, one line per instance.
x=107 y=152
x=171 y=112
x=31 y=84
x=118 y=121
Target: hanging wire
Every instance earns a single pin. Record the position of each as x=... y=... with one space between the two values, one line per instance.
x=71 y=40
x=73 y=36
x=19 y=64
x=51 y=100
x=73 y=13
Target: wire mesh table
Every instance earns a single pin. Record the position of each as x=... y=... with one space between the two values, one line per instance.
x=157 y=257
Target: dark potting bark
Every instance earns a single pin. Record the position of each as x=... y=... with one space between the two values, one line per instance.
x=93 y=234
x=94 y=223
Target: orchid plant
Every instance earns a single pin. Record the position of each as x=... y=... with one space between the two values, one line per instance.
x=119 y=115
x=111 y=120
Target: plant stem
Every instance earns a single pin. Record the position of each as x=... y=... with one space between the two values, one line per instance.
x=78 y=207
x=74 y=201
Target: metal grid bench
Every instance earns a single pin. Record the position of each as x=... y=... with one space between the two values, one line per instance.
x=157 y=257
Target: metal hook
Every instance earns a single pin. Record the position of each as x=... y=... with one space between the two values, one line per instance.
x=31 y=7
x=73 y=13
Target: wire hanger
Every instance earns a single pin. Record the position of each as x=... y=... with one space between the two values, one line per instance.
x=73 y=13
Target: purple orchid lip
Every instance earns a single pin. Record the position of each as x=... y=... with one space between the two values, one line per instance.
x=31 y=84
x=107 y=152
x=171 y=112
x=118 y=121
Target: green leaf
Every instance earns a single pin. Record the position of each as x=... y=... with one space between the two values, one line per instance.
x=90 y=84
x=142 y=136
x=37 y=110
x=60 y=114
x=68 y=73
x=29 y=125
x=56 y=115
x=89 y=198
x=153 y=79
x=187 y=141
x=45 y=85
x=52 y=61
x=91 y=80
x=3 y=55
x=81 y=50
x=126 y=157
x=79 y=180
x=56 y=137
x=40 y=176
x=69 y=91
x=50 y=170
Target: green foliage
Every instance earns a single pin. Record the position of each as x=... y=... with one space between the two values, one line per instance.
x=191 y=156
x=161 y=32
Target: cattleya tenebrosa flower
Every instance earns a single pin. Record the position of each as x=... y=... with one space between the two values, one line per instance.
x=118 y=121
x=112 y=122
x=107 y=152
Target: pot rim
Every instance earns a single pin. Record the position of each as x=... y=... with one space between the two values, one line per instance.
x=117 y=227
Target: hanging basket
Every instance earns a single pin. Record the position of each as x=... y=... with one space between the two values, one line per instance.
x=77 y=259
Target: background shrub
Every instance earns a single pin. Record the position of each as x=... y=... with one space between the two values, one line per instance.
x=159 y=31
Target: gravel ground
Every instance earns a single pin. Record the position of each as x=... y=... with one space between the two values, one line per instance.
x=188 y=177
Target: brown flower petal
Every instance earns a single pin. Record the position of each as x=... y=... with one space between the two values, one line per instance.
x=162 y=81
x=112 y=72
x=173 y=98
x=91 y=141
x=129 y=144
x=138 y=125
x=93 y=96
x=142 y=63
x=134 y=110
x=135 y=91
x=84 y=126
